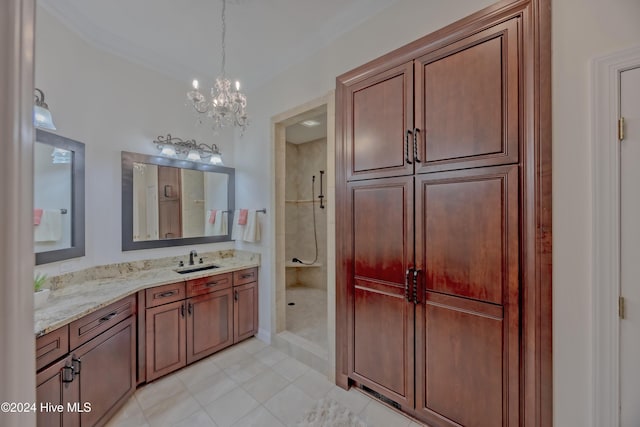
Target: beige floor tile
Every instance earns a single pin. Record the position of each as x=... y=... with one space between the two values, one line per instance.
x=194 y=373
x=252 y=345
x=376 y=414
x=264 y=386
x=417 y=424
x=259 y=417
x=213 y=388
x=157 y=391
x=231 y=407
x=137 y=420
x=290 y=368
x=352 y=399
x=172 y=410
x=270 y=356
x=314 y=384
x=130 y=409
x=229 y=356
x=245 y=370
x=197 y=419
x=289 y=405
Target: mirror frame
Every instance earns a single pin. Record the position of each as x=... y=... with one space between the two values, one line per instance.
x=77 y=198
x=128 y=159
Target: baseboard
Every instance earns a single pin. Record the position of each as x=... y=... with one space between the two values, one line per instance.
x=264 y=336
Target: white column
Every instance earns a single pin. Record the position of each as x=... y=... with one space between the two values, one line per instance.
x=17 y=348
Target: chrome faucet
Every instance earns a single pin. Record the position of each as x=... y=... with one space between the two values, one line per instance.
x=191 y=255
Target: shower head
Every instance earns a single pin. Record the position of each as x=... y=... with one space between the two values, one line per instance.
x=296 y=260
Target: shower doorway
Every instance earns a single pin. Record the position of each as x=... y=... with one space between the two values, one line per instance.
x=304 y=297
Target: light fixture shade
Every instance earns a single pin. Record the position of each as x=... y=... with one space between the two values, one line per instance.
x=42 y=118
x=168 y=151
x=216 y=159
x=193 y=156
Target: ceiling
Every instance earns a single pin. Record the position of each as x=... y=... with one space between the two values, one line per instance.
x=298 y=133
x=182 y=39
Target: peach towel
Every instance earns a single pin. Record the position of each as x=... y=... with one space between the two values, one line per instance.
x=242 y=218
x=212 y=216
x=37 y=216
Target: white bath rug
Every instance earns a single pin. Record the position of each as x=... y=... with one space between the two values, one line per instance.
x=329 y=413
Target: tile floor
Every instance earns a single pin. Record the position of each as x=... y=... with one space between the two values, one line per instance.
x=249 y=384
x=308 y=317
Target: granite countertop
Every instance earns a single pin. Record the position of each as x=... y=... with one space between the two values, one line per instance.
x=75 y=295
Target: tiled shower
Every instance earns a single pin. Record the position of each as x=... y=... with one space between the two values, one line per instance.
x=306 y=285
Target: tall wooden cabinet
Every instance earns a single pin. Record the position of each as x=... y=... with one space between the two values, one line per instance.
x=435 y=207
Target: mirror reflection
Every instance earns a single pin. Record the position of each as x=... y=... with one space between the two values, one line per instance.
x=58 y=197
x=171 y=203
x=51 y=197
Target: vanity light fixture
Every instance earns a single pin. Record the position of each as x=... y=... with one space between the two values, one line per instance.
x=170 y=146
x=41 y=114
x=227 y=107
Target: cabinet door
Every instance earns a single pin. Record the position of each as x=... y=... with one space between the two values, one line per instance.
x=380 y=322
x=467 y=326
x=209 y=324
x=245 y=311
x=55 y=386
x=467 y=102
x=166 y=339
x=107 y=372
x=379 y=111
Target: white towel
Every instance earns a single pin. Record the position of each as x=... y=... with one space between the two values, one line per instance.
x=237 y=232
x=219 y=227
x=50 y=228
x=252 y=229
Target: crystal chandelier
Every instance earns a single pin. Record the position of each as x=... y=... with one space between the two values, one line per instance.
x=227 y=107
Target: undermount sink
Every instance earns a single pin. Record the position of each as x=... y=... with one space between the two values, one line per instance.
x=194 y=268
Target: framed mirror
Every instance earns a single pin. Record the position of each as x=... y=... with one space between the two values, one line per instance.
x=173 y=202
x=58 y=193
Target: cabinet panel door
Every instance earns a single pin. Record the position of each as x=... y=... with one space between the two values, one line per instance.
x=245 y=311
x=467 y=332
x=379 y=110
x=107 y=372
x=467 y=105
x=209 y=324
x=166 y=339
x=380 y=326
x=51 y=389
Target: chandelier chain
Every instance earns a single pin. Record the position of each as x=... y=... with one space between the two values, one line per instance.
x=224 y=34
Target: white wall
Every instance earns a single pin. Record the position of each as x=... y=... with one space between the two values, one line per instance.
x=111 y=105
x=582 y=29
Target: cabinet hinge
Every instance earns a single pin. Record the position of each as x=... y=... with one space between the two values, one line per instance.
x=621 y=307
x=621 y=129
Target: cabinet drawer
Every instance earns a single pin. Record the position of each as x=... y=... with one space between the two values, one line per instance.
x=209 y=284
x=245 y=276
x=52 y=346
x=91 y=325
x=165 y=294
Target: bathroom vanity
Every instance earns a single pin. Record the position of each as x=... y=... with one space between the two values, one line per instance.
x=97 y=341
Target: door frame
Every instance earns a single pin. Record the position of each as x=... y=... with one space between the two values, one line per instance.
x=605 y=111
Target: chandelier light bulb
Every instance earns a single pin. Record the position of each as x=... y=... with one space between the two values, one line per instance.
x=195 y=84
x=237 y=85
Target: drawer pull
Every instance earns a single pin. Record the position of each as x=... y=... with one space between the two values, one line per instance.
x=167 y=294
x=108 y=317
x=246 y=276
x=210 y=284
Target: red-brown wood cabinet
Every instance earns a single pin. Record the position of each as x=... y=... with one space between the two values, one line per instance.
x=433 y=160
